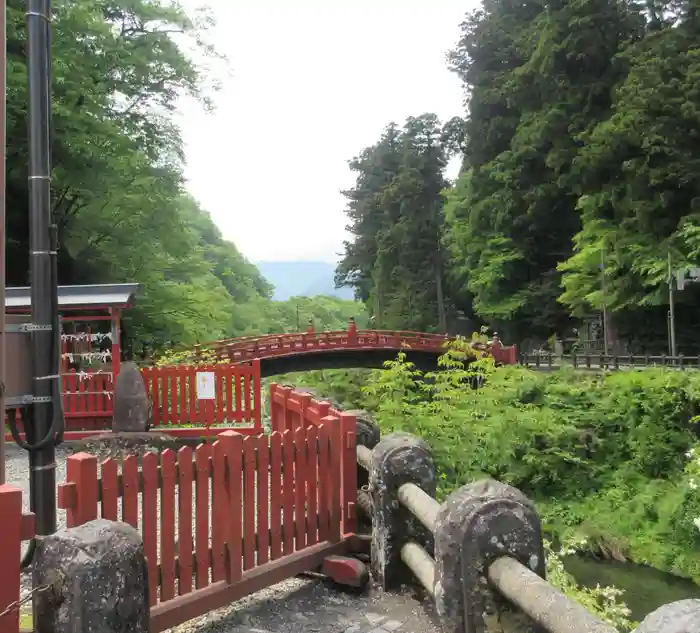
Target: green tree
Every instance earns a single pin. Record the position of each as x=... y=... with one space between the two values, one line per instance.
x=394 y=260
x=640 y=199
x=539 y=76
x=119 y=68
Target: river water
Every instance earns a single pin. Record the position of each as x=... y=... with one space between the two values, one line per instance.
x=646 y=589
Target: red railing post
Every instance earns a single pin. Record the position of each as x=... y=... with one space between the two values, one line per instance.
x=513 y=355
x=81 y=472
x=352 y=329
x=257 y=400
x=304 y=400
x=10 y=555
x=348 y=424
x=335 y=475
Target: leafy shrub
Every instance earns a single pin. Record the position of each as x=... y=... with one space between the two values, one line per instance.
x=602 y=454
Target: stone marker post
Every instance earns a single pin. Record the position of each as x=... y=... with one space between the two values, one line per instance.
x=398 y=459
x=97 y=577
x=131 y=407
x=477 y=524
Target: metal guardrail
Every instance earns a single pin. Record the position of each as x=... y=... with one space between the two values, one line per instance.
x=607 y=361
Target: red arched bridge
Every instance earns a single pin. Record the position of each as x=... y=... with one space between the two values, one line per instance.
x=351 y=348
x=233 y=368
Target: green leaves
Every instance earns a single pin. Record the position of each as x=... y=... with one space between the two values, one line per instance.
x=394 y=259
x=119 y=67
x=539 y=77
x=638 y=172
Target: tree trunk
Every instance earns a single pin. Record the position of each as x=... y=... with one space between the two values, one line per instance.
x=440 y=295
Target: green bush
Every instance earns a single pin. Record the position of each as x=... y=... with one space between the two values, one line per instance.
x=603 y=455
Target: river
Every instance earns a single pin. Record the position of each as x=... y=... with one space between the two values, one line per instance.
x=645 y=588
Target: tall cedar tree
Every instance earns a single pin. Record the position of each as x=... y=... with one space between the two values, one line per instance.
x=394 y=260
x=538 y=76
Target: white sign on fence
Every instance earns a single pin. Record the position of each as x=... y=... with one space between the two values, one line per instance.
x=206 y=385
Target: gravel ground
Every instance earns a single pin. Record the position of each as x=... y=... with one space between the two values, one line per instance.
x=293 y=606
x=17 y=474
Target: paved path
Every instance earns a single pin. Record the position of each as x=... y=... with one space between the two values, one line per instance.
x=315 y=606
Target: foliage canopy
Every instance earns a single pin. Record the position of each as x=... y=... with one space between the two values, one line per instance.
x=577 y=182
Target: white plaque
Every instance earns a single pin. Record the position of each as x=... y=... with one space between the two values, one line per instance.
x=206 y=385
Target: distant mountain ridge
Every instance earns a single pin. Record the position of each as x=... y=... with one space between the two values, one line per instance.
x=302 y=279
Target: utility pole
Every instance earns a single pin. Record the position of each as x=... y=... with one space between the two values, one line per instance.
x=3 y=144
x=42 y=458
x=605 y=301
x=671 y=309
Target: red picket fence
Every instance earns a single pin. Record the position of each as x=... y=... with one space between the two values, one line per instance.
x=172 y=390
x=229 y=518
x=290 y=410
x=17 y=527
x=88 y=400
x=88 y=394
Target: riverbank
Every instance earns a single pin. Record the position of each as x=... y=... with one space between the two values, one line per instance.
x=645 y=589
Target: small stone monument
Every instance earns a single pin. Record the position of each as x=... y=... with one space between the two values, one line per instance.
x=131 y=407
x=97 y=577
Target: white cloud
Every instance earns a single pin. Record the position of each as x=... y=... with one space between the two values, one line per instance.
x=312 y=83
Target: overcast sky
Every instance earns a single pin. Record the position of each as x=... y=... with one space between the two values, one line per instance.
x=312 y=82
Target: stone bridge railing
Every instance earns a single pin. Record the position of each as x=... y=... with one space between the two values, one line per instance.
x=480 y=554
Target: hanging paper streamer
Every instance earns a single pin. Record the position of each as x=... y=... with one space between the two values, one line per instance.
x=97 y=337
x=84 y=375
x=87 y=356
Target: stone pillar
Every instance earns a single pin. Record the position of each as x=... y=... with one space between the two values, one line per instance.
x=367 y=428
x=98 y=578
x=367 y=433
x=131 y=407
x=477 y=524
x=677 y=617
x=398 y=459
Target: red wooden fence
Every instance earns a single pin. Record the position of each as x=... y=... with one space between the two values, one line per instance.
x=88 y=394
x=172 y=389
x=88 y=400
x=290 y=410
x=226 y=519
x=17 y=527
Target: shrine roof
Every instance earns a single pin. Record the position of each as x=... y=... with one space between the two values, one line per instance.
x=89 y=297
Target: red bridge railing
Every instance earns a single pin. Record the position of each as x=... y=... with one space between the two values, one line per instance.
x=248 y=348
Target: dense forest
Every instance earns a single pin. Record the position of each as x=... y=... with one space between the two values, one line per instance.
x=119 y=197
x=578 y=182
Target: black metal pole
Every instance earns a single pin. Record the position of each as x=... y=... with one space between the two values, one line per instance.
x=3 y=93
x=42 y=462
